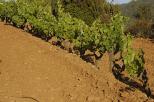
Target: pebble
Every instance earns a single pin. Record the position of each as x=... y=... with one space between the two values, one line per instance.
x=93 y=99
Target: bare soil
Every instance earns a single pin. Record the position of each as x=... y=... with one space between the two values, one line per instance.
x=32 y=70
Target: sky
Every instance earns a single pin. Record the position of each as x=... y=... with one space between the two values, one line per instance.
x=120 y=1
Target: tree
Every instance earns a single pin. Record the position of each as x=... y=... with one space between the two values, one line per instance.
x=87 y=10
x=143 y=12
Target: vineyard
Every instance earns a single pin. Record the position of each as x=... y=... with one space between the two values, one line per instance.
x=77 y=37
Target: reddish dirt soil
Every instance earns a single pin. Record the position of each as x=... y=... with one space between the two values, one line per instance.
x=32 y=70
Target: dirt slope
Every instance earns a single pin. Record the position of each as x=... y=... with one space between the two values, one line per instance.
x=32 y=70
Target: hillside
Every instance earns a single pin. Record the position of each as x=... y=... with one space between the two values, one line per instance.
x=130 y=8
x=32 y=70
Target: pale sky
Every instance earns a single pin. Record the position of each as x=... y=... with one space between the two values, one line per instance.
x=120 y=1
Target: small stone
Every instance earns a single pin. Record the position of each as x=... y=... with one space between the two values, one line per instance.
x=117 y=55
x=88 y=52
x=97 y=53
x=67 y=45
x=53 y=41
x=93 y=99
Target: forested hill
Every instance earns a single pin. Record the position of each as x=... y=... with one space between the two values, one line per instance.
x=141 y=17
x=131 y=8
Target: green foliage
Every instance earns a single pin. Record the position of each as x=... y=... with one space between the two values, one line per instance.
x=1 y=11
x=134 y=62
x=109 y=35
x=81 y=13
x=37 y=13
x=18 y=21
x=133 y=59
x=10 y=9
x=73 y=29
x=86 y=10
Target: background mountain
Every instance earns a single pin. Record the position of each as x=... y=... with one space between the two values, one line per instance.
x=130 y=9
x=141 y=14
